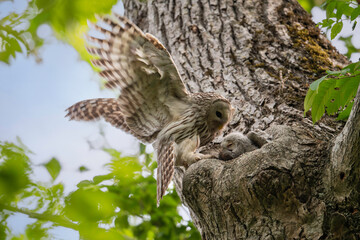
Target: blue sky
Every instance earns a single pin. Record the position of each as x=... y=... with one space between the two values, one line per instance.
x=33 y=99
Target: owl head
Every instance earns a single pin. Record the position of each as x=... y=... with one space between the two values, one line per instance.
x=220 y=114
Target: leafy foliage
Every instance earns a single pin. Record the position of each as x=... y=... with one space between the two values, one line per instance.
x=13 y=39
x=336 y=12
x=117 y=205
x=14 y=171
x=334 y=92
x=67 y=19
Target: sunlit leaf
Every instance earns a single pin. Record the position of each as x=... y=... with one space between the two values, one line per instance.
x=53 y=167
x=83 y=169
x=332 y=94
x=84 y=183
x=330 y=7
x=336 y=29
x=308 y=4
x=36 y=231
x=327 y=23
x=90 y=205
x=309 y=100
x=98 y=179
x=14 y=170
x=314 y=86
x=355 y=13
x=101 y=209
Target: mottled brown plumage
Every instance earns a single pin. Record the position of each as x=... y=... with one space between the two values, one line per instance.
x=154 y=105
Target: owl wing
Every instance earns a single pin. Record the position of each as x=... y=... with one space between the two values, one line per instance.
x=165 y=169
x=152 y=92
x=108 y=108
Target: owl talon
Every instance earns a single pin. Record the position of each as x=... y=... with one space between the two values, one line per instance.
x=195 y=158
x=200 y=156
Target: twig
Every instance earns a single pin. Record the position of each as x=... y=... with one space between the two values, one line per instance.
x=61 y=221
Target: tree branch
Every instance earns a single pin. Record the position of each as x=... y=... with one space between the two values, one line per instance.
x=61 y=221
x=345 y=165
x=270 y=185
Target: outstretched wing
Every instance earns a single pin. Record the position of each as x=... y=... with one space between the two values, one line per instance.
x=152 y=92
x=165 y=169
x=108 y=108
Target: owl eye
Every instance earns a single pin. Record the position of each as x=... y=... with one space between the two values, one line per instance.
x=218 y=114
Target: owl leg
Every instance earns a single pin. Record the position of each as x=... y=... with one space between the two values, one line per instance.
x=186 y=152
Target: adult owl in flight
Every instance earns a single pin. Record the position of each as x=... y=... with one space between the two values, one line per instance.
x=154 y=105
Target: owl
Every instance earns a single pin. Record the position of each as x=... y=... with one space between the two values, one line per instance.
x=234 y=145
x=154 y=105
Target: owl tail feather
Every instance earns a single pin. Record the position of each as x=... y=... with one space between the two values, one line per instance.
x=165 y=169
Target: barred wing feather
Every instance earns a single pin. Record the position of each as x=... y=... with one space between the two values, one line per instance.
x=142 y=68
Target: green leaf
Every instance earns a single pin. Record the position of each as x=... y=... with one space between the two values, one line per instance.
x=83 y=169
x=122 y=221
x=90 y=205
x=335 y=73
x=346 y=9
x=148 y=159
x=36 y=231
x=307 y=5
x=309 y=100
x=326 y=23
x=14 y=170
x=3 y=229
x=346 y=113
x=53 y=167
x=314 y=86
x=355 y=13
x=318 y=107
x=332 y=95
x=84 y=183
x=336 y=29
x=98 y=179
x=352 y=67
x=340 y=9
x=330 y=9
x=142 y=148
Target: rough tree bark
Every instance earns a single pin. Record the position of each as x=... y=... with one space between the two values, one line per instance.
x=262 y=56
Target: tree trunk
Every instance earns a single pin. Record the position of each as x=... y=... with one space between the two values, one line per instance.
x=262 y=56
